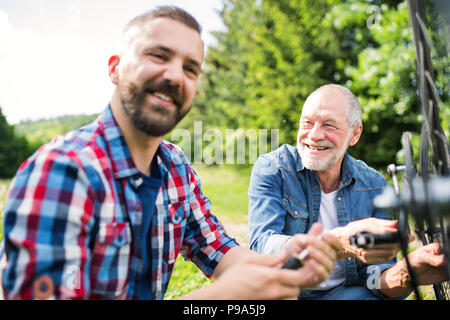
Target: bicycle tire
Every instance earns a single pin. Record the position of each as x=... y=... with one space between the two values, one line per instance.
x=403 y=224
x=428 y=229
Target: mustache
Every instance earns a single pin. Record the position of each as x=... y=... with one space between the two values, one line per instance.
x=325 y=144
x=167 y=89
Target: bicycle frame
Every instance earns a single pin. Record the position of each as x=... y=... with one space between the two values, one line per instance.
x=430 y=221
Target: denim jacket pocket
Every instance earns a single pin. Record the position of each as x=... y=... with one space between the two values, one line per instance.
x=296 y=217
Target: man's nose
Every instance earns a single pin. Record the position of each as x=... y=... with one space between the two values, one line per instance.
x=316 y=133
x=173 y=73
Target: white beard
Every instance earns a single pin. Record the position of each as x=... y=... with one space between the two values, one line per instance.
x=316 y=163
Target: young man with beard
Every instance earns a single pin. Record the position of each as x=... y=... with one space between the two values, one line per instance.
x=317 y=181
x=104 y=211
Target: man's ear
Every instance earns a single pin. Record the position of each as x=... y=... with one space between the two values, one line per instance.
x=113 y=71
x=356 y=134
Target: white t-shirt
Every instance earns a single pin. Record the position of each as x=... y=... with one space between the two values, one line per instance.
x=329 y=220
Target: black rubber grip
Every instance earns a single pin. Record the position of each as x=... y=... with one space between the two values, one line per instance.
x=293 y=263
x=386 y=238
x=368 y=239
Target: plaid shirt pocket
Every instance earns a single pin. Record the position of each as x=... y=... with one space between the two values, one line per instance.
x=111 y=259
x=177 y=212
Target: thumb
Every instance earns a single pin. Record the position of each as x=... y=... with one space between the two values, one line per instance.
x=430 y=255
x=316 y=229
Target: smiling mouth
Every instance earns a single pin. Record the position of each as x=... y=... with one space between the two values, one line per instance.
x=162 y=96
x=320 y=148
x=165 y=100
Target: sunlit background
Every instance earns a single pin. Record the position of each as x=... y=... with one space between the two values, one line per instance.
x=53 y=53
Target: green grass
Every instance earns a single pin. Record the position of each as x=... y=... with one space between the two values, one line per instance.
x=4 y=185
x=226 y=187
x=186 y=277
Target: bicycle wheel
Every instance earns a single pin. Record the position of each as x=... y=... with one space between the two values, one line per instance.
x=433 y=227
x=403 y=223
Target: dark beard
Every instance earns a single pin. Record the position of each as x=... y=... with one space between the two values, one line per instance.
x=132 y=100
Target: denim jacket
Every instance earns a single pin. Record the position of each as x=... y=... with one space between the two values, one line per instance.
x=284 y=199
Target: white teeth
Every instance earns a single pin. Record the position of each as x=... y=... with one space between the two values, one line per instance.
x=163 y=96
x=317 y=148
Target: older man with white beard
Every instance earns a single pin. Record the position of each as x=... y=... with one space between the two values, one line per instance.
x=293 y=188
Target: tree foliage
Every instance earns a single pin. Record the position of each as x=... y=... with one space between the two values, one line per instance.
x=43 y=130
x=273 y=54
x=385 y=82
x=14 y=149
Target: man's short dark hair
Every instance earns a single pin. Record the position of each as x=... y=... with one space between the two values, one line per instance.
x=171 y=12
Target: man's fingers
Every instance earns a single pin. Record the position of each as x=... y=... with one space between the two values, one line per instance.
x=375 y=256
x=288 y=284
x=333 y=241
x=436 y=248
x=380 y=229
x=322 y=258
x=386 y=247
x=298 y=242
x=375 y=225
x=437 y=261
x=315 y=230
x=384 y=222
x=391 y=223
x=312 y=274
x=433 y=255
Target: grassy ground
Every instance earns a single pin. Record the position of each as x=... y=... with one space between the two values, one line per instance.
x=226 y=187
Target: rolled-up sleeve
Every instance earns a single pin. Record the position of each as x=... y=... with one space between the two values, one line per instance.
x=47 y=216
x=205 y=241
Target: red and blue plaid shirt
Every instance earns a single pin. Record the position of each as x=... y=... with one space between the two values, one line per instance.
x=72 y=212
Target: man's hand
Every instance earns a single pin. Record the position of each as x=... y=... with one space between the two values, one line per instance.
x=429 y=267
x=377 y=254
x=255 y=277
x=322 y=254
x=243 y=274
x=428 y=264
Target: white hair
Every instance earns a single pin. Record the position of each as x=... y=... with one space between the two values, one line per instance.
x=354 y=113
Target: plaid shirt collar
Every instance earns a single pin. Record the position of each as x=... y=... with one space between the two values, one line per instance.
x=122 y=161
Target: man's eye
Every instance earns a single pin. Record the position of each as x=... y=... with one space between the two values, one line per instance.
x=157 y=56
x=192 y=71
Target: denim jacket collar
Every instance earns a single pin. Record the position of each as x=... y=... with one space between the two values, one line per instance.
x=347 y=174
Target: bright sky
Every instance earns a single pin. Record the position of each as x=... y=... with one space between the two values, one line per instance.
x=54 y=53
